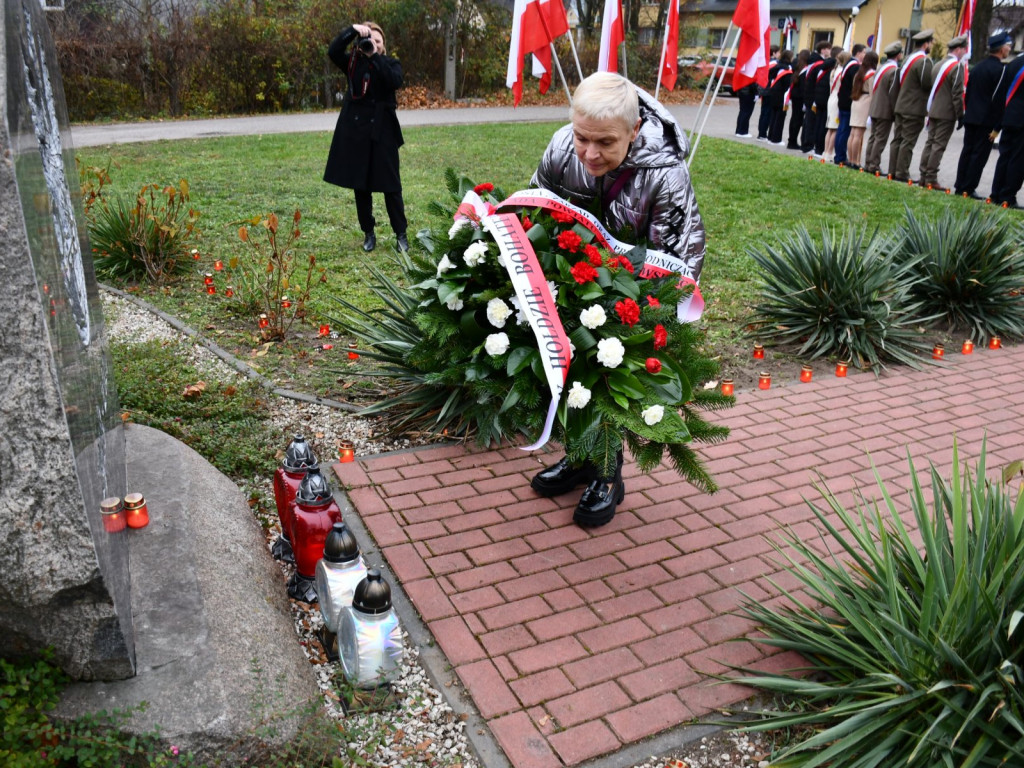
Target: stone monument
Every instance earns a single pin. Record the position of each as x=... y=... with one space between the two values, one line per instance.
x=66 y=580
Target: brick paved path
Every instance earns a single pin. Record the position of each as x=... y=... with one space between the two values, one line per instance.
x=573 y=643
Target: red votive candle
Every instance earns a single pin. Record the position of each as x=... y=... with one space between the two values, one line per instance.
x=218 y=265
x=208 y=278
x=841 y=367
x=325 y=330
x=758 y=351
x=995 y=343
x=211 y=289
x=968 y=347
x=135 y=510
x=764 y=380
x=727 y=387
x=352 y=353
x=229 y=291
x=286 y=302
x=264 y=322
x=346 y=451
x=806 y=373
x=938 y=351
x=113 y=515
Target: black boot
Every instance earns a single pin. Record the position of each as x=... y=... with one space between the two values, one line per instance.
x=370 y=241
x=599 y=500
x=403 y=242
x=562 y=478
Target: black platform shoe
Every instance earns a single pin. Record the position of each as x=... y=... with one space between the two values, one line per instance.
x=562 y=478
x=369 y=242
x=599 y=500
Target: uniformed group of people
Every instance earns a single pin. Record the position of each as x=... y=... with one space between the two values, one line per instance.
x=903 y=94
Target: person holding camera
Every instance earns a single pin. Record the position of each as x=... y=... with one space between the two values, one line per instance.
x=364 y=151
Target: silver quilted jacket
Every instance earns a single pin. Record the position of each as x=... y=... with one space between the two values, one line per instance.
x=657 y=203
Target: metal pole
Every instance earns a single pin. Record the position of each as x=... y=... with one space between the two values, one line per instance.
x=707 y=113
x=572 y=44
x=561 y=74
x=707 y=90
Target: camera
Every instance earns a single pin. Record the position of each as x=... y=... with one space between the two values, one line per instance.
x=366 y=46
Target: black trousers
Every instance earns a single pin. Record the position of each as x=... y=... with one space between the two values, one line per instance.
x=796 y=121
x=810 y=130
x=775 y=126
x=392 y=201
x=1009 y=175
x=973 y=157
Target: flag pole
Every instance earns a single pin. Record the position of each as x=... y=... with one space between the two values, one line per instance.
x=664 y=50
x=561 y=74
x=572 y=44
x=707 y=113
x=714 y=72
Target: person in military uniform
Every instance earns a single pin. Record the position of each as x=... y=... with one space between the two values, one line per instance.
x=945 y=109
x=885 y=89
x=982 y=114
x=1009 y=175
x=912 y=102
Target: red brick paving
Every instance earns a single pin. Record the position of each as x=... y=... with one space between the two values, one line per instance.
x=572 y=642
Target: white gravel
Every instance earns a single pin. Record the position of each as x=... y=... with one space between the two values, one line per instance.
x=422 y=730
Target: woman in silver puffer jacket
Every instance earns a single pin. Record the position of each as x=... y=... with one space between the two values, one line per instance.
x=656 y=202
x=623 y=158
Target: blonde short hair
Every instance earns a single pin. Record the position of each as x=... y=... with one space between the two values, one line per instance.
x=606 y=95
x=375 y=27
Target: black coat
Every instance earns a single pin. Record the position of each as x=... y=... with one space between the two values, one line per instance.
x=823 y=86
x=1013 y=115
x=986 y=93
x=778 y=87
x=809 y=82
x=364 y=151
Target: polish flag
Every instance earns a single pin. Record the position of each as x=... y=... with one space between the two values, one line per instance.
x=964 y=28
x=535 y=25
x=753 y=19
x=612 y=34
x=670 y=51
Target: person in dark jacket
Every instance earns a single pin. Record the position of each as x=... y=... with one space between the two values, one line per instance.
x=777 y=90
x=764 y=119
x=625 y=155
x=796 y=99
x=846 y=102
x=983 y=112
x=1009 y=175
x=822 y=90
x=364 y=151
x=747 y=96
x=814 y=63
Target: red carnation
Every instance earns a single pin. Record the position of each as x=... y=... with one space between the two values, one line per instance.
x=485 y=187
x=593 y=254
x=527 y=223
x=652 y=302
x=563 y=217
x=569 y=241
x=622 y=261
x=584 y=272
x=660 y=336
x=653 y=365
x=628 y=311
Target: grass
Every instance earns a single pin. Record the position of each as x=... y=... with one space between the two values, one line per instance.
x=747 y=196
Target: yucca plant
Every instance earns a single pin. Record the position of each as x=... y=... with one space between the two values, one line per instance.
x=842 y=297
x=911 y=637
x=968 y=269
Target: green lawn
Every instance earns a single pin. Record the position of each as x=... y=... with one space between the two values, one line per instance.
x=748 y=196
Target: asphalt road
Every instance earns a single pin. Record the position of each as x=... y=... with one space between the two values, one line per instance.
x=721 y=123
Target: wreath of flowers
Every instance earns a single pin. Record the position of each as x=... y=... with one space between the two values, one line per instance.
x=472 y=363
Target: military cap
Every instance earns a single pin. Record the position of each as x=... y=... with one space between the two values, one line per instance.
x=957 y=42
x=923 y=36
x=893 y=49
x=998 y=40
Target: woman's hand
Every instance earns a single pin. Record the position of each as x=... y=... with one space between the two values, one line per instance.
x=361 y=29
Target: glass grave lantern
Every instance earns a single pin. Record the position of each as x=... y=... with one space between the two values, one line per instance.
x=369 y=636
x=314 y=513
x=337 y=576
x=298 y=459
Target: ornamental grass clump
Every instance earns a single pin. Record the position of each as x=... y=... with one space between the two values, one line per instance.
x=844 y=297
x=456 y=340
x=912 y=636
x=968 y=269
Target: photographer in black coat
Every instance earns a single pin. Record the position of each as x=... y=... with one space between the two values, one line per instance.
x=364 y=151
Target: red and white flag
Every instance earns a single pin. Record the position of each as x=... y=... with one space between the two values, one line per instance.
x=753 y=19
x=964 y=28
x=670 y=50
x=612 y=34
x=535 y=25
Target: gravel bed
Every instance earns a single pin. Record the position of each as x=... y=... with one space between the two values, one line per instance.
x=422 y=730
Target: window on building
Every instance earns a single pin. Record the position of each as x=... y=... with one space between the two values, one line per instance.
x=820 y=36
x=716 y=37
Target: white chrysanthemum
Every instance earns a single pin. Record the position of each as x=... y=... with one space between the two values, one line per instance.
x=653 y=415
x=454 y=303
x=520 y=315
x=475 y=254
x=444 y=265
x=554 y=290
x=572 y=350
x=498 y=312
x=461 y=222
x=610 y=352
x=578 y=396
x=593 y=317
x=496 y=344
